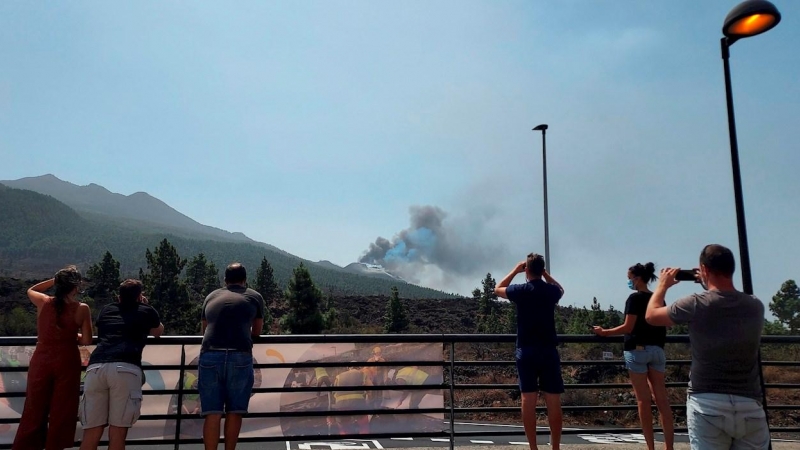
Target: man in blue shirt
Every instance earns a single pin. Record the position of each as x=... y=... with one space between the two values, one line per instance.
x=538 y=362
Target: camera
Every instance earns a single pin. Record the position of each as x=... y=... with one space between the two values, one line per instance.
x=688 y=275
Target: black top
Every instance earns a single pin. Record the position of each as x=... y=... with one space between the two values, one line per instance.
x=643 y=333
x=536 y=302
x=230 y=312
x=122 y=331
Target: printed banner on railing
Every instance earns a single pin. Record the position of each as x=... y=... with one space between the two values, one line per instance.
x=346 y=354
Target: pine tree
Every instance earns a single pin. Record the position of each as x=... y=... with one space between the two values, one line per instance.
x=303 y=301
x=580 y=321
x=202 y=277
x=511 y=319
x=167 y=293
x=265 y=285
x=488 y=296
x=613 y=318
x=396 y=318
x=774 y=328
x=488 y=320
x=106 y=279
x=330 y=316
x=785 y=305
x=597 y=316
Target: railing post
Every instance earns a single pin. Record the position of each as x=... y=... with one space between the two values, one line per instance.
x=181 y=375
x=452 y=395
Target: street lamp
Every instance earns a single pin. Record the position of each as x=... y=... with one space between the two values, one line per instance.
x=749 y=18
x=543 y=129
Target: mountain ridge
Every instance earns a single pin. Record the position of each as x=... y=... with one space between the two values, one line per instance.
x=40 y=234
x=140 y=205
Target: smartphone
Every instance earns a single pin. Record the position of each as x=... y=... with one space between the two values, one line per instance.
x=686 y=275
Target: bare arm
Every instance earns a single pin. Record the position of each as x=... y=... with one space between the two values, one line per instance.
x=500 y=290
x=258 y=325
x=158 y=331
x=625 y=328
x=657 y=313
x=36 y=292
x=85 y=314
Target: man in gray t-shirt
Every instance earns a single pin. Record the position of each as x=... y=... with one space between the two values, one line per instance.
x=231 y=317
x=723 y=407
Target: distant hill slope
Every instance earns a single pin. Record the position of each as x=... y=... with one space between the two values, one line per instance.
x=138 y=208
x=39 y=234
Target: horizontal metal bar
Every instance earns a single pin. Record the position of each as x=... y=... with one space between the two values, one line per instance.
x=400 y=338
x=566 y=386
x=279 y=414
x=566 y=363
x=517 y=409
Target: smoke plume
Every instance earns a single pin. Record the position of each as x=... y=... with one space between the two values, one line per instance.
x=437 y=249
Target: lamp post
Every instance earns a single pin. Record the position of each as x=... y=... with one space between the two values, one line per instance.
x=543 y=129
x=749 y=18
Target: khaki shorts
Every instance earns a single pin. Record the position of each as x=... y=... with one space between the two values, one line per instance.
x=112 y=395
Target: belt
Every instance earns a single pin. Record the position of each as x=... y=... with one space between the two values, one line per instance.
x=640 y=347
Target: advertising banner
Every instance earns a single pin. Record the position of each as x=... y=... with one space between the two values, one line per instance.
x=350 y=374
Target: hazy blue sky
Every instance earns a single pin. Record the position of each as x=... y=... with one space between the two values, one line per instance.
x=316 y=125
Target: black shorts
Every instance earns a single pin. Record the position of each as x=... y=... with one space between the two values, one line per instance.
x=539 y=369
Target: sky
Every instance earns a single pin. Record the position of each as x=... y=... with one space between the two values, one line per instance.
x=320 y=127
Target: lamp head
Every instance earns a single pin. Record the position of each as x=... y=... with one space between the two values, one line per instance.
x=541 y=127
x=750 y=18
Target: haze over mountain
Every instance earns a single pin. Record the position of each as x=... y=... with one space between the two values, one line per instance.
x=139 y=206
x=53 y=222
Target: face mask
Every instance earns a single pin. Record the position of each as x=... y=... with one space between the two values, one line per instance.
x=630 y=285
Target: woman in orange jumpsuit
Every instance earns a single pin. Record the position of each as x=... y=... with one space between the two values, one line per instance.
x=51 y=400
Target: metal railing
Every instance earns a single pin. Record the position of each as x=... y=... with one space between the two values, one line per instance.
x=450 y=366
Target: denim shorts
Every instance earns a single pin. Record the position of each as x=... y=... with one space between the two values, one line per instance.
x=724 y=421
x=652 y=357
x=539 y=369
x=225 y=381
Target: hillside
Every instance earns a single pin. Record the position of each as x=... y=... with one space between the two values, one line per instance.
x=39 y=235
x=139 y=209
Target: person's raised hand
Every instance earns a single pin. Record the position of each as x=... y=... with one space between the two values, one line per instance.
x=667 y=278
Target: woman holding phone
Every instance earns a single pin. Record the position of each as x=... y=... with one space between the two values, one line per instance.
x=644 y=355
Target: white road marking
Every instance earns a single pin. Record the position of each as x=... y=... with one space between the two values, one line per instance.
x=481 y=442
x=288 y=446
x=501 y=425
x=377 y=444
x=613 y=438
x=334 y=445
x=440 y=439
x=519 y=443
x=402 y=439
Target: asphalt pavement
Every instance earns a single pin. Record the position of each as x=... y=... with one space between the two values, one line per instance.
x=511 y=442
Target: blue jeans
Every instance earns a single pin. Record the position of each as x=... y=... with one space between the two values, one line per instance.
x=723 y=421
x=225 y=381
x=651 y=357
